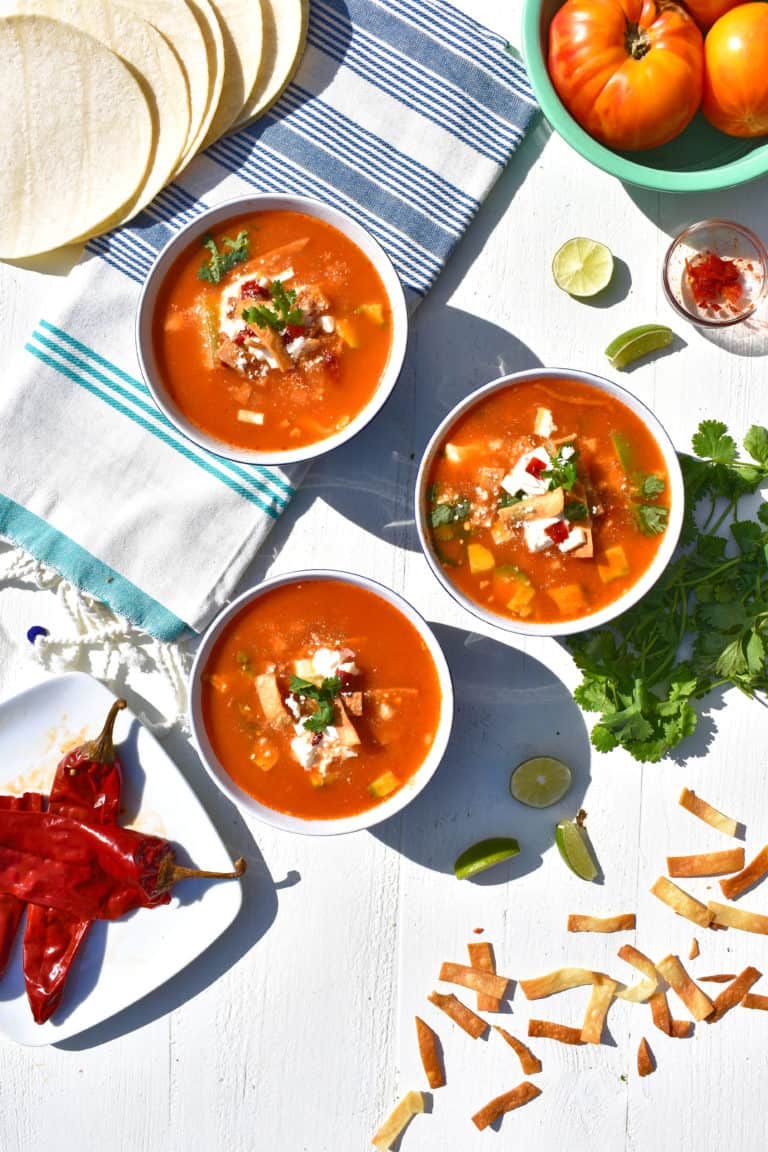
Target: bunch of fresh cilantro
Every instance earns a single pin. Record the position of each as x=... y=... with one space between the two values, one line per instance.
x=704 y=625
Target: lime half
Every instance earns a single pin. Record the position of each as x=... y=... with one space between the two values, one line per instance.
x=582 y=267
x=484 y=855
x=540 y=781
x=573 y=843
x=638 y=342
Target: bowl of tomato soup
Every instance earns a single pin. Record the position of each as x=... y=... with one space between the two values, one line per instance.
x=271 y=329
x=321 y=702
x=549 y=502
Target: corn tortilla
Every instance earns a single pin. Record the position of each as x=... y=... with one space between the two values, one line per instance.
x=285 y=33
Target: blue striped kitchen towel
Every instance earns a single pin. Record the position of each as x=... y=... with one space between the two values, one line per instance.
x=403 y=114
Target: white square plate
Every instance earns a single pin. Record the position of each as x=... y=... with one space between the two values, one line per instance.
x=122 y=961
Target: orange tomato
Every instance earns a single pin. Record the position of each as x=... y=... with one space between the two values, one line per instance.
x=736 y=72
x=629 y=71
x=705 y=12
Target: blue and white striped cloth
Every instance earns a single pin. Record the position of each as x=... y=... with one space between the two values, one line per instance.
x=403 y=114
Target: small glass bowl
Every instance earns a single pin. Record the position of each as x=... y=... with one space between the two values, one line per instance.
x=729 y=241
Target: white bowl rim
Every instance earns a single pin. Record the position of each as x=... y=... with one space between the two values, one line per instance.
x=283 y=820
x=264 y=202
x=666 y=547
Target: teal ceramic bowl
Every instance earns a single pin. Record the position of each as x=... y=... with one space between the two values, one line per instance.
x=698 y=160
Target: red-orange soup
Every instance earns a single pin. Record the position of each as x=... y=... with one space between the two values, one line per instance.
x=547 y=501
x=359 y=728
x=290 y=343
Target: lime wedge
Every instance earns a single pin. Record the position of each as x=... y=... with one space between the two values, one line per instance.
x=637 y=342
x=573 y=843
x=540 y=781
x=484 y=855
x=582 y=267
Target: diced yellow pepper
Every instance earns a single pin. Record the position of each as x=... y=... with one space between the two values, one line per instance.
x=522 y=600
x=374 y=312
x=480 y=558
x=383 y=785
x=570 y=600
x=348 y=332
x=615 y=564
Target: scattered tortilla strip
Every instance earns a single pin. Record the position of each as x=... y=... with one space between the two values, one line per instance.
x=681 y=1029
x=681 y=903
x=528 y=1062
x=697 y=807
x=698 y=1004
x=707 y=863
x=472 y=1024
x=522 y=1094
x=481 y=956
x=646 y=988
x=551 y=1031
x=622 y=923
x=597 y=1010
x=410 y=1105
x=660 y=1012
x=474 y=978
x=694 y=949
x=752 y=1000
x=734 y=993
x=430 y=1053
x=719 y=978
x=738 y=918
x=561 y=980
x=645 y=1062
x=754 y=871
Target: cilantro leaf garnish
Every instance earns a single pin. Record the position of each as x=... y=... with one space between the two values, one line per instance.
x=650 y=486
x=562 y=474
x=713 y=442
x=323 y=694
x=506 y=500
x=575 y=510
x=650 y=519
x=222 y=262
x=283 y=314
x=450 y=513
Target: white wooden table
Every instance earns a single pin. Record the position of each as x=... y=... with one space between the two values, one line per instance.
x=296 y=1031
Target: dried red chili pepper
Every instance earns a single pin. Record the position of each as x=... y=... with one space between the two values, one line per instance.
x=95 y=873
x=11 y=908
x=86 y=786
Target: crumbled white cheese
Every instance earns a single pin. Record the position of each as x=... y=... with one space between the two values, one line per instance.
x=567 y=451
x=518 y=480
x=327 y=323
x=294 y=348
x=319 y=755
x=544 y=424
x=287 y=274
x=536 y=538
x=576 y=537
x=292 y=705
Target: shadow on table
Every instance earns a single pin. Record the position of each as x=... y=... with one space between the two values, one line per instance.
x=509 y=707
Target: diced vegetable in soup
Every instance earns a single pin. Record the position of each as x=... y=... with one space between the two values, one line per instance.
x=547 y=501
x=274 y=332
x=320 y=699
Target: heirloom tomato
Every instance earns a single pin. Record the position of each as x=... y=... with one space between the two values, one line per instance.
x=705 y=12
x=629 y=71
x=736 y=72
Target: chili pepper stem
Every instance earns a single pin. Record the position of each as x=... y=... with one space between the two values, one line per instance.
x=169 y=872
x=102 y=749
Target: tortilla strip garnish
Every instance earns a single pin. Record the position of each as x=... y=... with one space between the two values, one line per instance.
x=646 y=988
x=481 y=956
x=410 y=1105
x=681 y=1029
x=697 y=807
x=597 y=1010
x=738 y=918
x=551 y=1031
x=734 y=993
x=752 y=1000
x=698 y=1004
x=694 y=949
x=528 y=1062
x=622 y=923
x=681 y=903
x=474 y=978
x=459 y=1013
x=706 y=863
x=719 y=978
x=429 y=1051
x=561 y=980
x=754 y=871
x=660 y=1012
x=523 y=1094
x=645 y=1061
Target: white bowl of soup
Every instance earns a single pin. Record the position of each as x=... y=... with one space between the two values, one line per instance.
x=321 y=702
x=271 y=329
x=549 y=502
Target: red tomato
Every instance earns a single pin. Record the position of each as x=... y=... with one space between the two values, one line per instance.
x=629 y=71
x=705 y=12
x=736 y=72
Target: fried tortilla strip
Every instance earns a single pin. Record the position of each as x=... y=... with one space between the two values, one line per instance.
x=660 y=1012
x=754 y=871
x=646 y=988
x=697 y=807
x=429 y=1051
x=597 y=1010
x=561 y=980
x=707 y=863
x=645 y=1062
x=528 y=1062
x=551 y=1031
x=410 y=1105
x=680 y=902
x=474 y=978
x=481 y=956
x=534 y=507
x=681 y=1029
x=738 y=918
x=719 y=978
x=268 y=692
x=698 y=1004
x=523 y=1094
x=694 y=949
x=622 y=923
x=734 y=993
x=752 y=1000
x=472 y=1024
